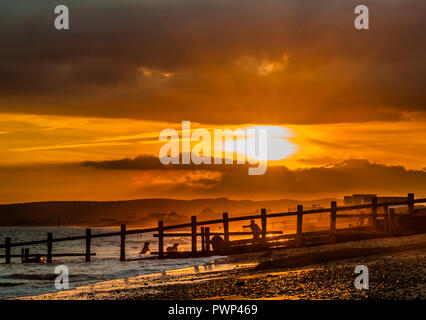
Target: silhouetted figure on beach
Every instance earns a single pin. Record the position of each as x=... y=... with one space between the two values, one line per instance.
x=145 y=249
x=173 y=248
x=255 y=229
x=218 y=243
x=361 y=220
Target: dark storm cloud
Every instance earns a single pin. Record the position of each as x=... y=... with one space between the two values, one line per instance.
x=146 y=162
x=213 y=48
x=345 y=176
x=149 y=162
x=116 y=180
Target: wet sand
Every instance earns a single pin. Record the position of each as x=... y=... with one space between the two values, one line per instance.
x=399 y=273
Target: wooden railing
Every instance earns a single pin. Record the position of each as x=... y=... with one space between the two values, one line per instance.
x=205 y=233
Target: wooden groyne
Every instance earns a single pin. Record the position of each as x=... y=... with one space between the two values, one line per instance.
x=202 y=229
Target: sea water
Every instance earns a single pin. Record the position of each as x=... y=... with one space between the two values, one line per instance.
x=19 y=279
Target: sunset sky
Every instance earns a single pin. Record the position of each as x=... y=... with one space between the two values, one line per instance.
x=81 y=110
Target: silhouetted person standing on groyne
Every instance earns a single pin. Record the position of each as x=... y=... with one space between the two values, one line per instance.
x=255 y=229
x=145 y=249
x=218 y=243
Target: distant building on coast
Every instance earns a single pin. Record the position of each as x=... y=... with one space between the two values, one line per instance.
x=356 y=199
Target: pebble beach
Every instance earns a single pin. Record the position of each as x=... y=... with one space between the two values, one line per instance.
x=393 y=275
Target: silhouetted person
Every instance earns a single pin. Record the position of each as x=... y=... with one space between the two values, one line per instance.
x=361 y=220
x=255 y=229
x=145 y=249
x=173 y=248
x=218 y=243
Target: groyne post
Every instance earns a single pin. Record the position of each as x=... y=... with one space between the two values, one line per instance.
x=27 y=255
x=88 y=243
x=194 y=234
x=391 y=219
x=49 y=247
x=263 y=223
x=203 y=240
x=226 y=228
x=333 y=216
x=123 y=242
x=207 y=231
x=7 y=241
x=386 y=219
x=410 y=197
x=160 y=239
x=374 y=214
x=299 y=235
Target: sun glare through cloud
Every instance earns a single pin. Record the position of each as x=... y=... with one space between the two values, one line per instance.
x=279 y=146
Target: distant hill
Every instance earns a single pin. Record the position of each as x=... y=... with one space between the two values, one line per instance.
x=140 y=212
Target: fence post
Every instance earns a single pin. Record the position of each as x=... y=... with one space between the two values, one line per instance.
x=207 y=232
x=194 y=234
x=299 y=237
x=22 y=255
x=390 y=223
x=374 y=213
x=7 y=249
x=49 y=247
x=203 y=241
x=386 y=219
x=160 y=239
x=88 y=243
x=27 y=255
x=333 y=216
x=226 y=228
x=123 y=243
x=410 y=197
x=263 y=220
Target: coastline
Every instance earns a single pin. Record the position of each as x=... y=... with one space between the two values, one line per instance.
x=397 y=270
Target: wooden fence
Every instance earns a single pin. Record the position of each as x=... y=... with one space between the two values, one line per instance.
x=205 y=234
